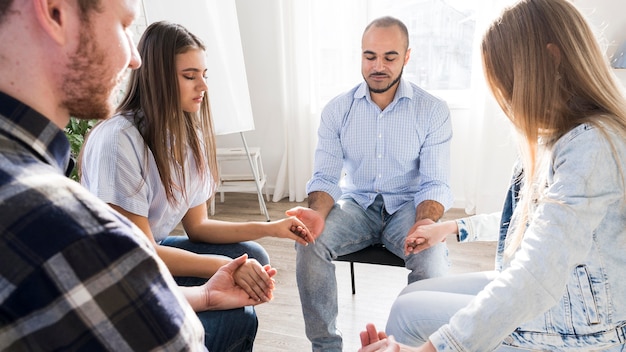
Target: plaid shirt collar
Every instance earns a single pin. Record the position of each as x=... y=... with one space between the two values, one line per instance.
x=44 y=138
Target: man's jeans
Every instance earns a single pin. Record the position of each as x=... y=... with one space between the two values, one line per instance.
x=224 y=330
x=349 y=228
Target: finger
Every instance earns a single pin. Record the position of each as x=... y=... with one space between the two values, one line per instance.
x=294 y=235
x=365 y=338
x=255 y=291
x=371 y=331
x=302 y=232
x=293 y=211
x=252 y=302
x=248 y=289
x=236 y=263
x=253 y=279
x=306 y=234
x=270 y=271
x=409 y=246
x=261 y=282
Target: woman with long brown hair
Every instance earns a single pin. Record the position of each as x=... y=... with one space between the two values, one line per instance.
x=154 y=162
x=562 y=285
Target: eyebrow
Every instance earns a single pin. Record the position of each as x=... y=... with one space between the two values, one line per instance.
x=393 y=52
x=192 y=69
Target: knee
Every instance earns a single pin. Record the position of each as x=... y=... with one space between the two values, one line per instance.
x=313 y=252
x=229 y=330
x=250 y=317
x=402 y=322
x=396 y=314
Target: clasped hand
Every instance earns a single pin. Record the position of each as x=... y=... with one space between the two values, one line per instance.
x=423 y=235
x=255 y=280
x=311 y=218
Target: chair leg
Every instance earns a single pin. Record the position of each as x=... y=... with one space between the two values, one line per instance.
x=352 y=277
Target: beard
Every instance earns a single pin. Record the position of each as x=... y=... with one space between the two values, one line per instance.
x=88 y=84
x=382 y=90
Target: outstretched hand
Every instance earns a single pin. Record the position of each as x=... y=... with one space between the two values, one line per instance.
x=311 y=218
x=377 y=341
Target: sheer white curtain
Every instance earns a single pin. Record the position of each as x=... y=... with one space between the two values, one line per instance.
x=491 y=151
x=321 y=41
x=321 y=54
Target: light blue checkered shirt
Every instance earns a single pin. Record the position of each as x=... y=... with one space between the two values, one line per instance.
x=402 y=153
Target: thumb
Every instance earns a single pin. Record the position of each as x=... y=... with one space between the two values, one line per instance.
x=293 y=211
x=236 y=263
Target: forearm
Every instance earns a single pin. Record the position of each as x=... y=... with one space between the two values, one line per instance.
x=217 y=231
x=196 y=296
x=429 y=209
x=181 y=262
x=446 y=228
x=321 y=202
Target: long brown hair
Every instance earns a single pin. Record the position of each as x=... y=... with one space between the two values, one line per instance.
x=152 y=97
x=547 y=72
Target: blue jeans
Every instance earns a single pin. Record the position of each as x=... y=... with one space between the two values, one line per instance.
x=349 y=228
x=423 y=307
x=224 y=330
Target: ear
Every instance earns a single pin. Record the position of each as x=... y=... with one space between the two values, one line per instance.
x=52 y=17
x=555 y=51
x=407 y=56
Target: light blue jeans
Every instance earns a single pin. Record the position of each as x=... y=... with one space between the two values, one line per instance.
x=424 y=306
x=348 y=229
x=224 y=330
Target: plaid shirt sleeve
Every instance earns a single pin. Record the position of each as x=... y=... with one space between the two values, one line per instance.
x=76 y=276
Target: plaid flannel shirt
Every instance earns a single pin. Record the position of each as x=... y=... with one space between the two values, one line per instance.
x=74 y=274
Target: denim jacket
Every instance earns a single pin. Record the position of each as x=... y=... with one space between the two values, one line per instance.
x=565 y=289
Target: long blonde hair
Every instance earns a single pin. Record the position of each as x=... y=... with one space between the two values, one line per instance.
x=547 y=72
x=153 y=98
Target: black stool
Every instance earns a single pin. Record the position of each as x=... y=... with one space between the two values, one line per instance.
x=374 y=254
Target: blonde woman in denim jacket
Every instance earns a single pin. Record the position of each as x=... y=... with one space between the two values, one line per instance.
x=562 y=286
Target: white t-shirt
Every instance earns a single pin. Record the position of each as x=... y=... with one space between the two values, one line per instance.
x=114 y=168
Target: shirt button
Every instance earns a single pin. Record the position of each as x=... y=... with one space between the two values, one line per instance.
x=379 y=156
x=379 y=175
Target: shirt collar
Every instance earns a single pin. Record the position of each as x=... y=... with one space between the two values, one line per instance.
x=404 y=91
x=34 y=131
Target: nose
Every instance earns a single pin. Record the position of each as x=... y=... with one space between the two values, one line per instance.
x=135 y=58
x=379 y=64
x=202 y=86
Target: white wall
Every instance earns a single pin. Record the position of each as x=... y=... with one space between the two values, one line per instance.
x=259 y=21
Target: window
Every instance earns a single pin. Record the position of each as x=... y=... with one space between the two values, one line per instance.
x=441 y=37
